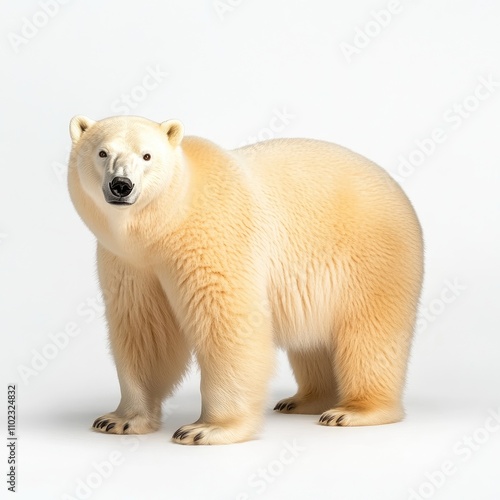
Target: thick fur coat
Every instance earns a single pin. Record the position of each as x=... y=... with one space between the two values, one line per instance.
x=290 y=243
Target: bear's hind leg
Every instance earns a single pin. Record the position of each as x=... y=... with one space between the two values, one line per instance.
x=370 y=360
x=313 y=370
x=379 y=286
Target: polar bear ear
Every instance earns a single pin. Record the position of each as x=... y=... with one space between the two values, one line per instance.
x=174 y=130
x=78 y=125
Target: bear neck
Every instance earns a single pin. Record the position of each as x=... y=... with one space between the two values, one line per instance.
x=147 y=227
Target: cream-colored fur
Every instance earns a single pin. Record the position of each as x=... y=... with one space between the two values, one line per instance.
x=293 y=243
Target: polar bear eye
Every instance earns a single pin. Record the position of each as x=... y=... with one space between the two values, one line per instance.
x=146 y=157
x=103 y=154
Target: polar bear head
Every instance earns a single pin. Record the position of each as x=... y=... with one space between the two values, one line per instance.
x=125 y=160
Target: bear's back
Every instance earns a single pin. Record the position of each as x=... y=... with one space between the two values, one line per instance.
x=321 y=175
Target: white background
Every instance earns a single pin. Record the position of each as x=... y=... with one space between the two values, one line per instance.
x=226 y=72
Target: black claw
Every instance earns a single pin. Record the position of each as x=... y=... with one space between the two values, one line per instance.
x=276 y=407
x=97 y=421
x=177 y=433
x=182 y=435
x=104 y=423
x=198 y=436
x=126 y=426
x=329 y=419
x=339 y=420
x=323 y=418
x=291 y=406
x=110 y=426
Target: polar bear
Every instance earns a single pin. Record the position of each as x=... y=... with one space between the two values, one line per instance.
x=292 y=243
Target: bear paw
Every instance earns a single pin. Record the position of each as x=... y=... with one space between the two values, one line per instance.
x=200 y=433
x=112 y=423
x=306 y=406
x=348 y=417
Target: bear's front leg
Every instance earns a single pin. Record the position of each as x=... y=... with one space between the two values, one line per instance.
x=150 y=353
x=138 y=412
x=232 y=339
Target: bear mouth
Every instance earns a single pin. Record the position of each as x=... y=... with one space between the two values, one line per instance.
x=120 y=202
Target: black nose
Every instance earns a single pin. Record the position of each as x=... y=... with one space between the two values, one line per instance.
x=121 y=186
